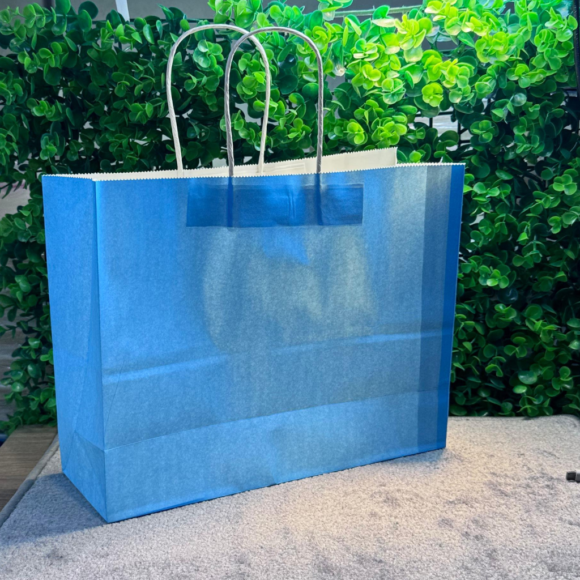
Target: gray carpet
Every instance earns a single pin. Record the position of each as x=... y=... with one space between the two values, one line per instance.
x=493 y=505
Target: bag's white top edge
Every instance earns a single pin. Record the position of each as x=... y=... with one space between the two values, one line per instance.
x=336 y=163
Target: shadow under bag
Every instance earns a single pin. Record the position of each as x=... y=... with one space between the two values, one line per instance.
x=215 y=334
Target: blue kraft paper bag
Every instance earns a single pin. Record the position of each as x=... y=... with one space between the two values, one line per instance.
x=214 y=335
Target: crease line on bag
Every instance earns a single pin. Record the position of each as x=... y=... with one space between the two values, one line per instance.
x=292 y=411
x=212 y=359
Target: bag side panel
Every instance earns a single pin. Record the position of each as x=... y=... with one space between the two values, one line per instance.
x=444 y=194
x=71 y=243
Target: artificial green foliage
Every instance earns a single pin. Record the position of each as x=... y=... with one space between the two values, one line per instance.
x=83 y=95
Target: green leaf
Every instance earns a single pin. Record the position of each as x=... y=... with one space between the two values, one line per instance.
x=91 y=8
x=148 y=34
x=84 y=20
x=63 y=6
x=287 y=83
x=352 y=23
x=310 y=91
x=34 y=371
x=23 y=283
x=528 y=377
x=52 y=76
x=534 y=311
x=506 y=407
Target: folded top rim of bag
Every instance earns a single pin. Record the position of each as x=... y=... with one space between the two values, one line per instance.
x=335 y=163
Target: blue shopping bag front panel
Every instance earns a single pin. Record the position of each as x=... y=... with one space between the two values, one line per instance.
x=284 y=340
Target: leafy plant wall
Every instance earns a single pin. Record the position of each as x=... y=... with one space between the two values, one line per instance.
x=82 y=95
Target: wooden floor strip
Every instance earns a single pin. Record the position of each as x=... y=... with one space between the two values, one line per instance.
x=19 y=455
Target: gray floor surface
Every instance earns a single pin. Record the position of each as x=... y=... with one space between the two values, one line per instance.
x=493 y=505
